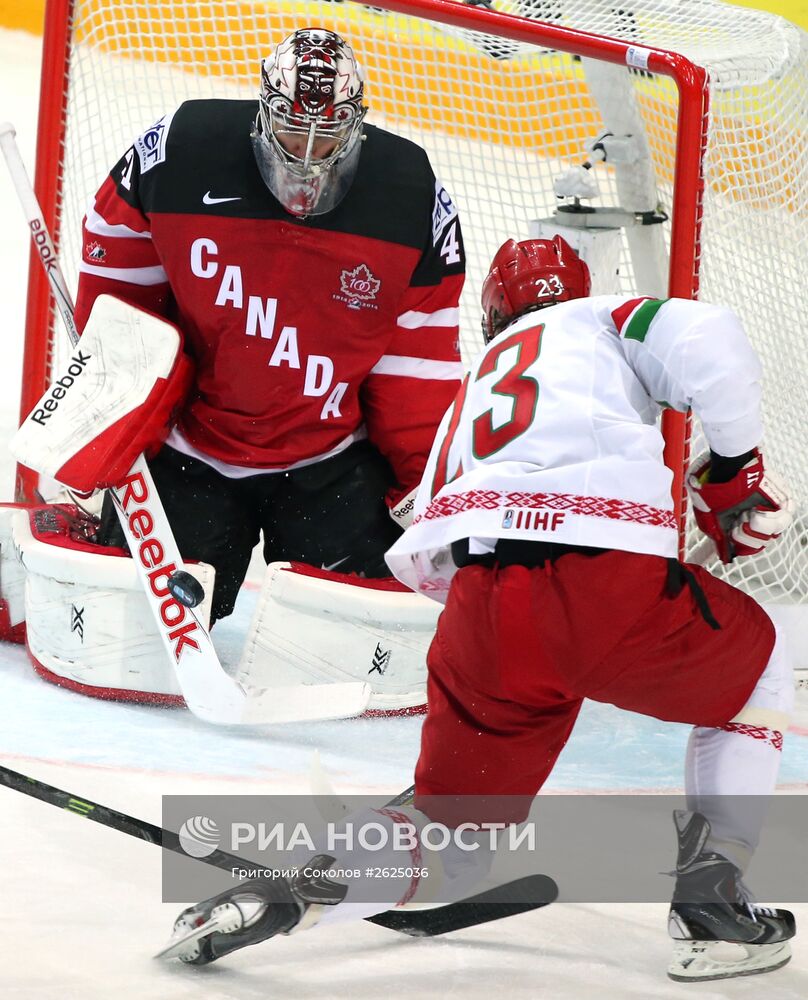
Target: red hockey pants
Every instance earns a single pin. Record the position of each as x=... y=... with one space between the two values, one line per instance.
x=517 y=650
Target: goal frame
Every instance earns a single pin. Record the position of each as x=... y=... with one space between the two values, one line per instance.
x=690 y=80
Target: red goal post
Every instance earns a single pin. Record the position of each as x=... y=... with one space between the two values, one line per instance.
x=503 y=101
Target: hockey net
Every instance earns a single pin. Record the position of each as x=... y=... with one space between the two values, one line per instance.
x=504 y=102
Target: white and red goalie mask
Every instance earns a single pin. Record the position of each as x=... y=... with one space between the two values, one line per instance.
x=307 y=134
x=530 y=275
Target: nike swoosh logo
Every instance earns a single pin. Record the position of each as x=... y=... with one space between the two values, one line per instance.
x=208 y=200
x=339 y=562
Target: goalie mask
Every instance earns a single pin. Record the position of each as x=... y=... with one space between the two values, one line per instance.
x=307 y=136
x=530 y=275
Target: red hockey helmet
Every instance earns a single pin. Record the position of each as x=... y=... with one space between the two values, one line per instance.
x=530 y=275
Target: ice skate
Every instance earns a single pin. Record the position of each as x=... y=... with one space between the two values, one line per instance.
x=720 y=932
x=249 y=913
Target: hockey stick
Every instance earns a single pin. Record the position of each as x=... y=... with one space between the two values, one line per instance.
x=209 y=692
x=518 y=896
x=507 y=900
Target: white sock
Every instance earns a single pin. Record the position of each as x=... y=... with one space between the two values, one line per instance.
x=731 y=772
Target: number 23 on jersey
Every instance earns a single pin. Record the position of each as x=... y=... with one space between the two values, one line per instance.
x=522 y=390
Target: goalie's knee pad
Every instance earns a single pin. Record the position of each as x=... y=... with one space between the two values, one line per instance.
x=312 y=626
x=89 y=624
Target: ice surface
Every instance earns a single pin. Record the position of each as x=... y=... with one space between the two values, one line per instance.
x=81 y=904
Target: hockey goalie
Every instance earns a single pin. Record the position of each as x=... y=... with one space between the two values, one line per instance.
x=86 y=620
x=310 y=267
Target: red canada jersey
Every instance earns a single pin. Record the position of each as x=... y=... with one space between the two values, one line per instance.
x=306 y=333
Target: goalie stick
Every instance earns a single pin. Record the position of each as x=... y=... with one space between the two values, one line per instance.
x=506 y=900
x=209 y=692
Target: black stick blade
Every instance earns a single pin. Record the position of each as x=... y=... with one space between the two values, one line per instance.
x=507 y=900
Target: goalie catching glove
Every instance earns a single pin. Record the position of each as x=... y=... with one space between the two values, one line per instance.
x=743 y=515
x=114 y=399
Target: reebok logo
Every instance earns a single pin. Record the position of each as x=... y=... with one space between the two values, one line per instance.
x=60 y=387
x=208 y=199
x=134 y=494
x=404 y=510
x=751 y=479
x=40 y=237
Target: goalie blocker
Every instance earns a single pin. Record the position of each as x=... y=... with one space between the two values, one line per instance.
x=112 y=401
x=89 y=627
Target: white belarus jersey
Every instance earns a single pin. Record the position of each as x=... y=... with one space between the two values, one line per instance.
x=554 y=434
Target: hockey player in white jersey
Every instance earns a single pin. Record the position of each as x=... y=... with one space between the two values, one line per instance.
x=545 y=524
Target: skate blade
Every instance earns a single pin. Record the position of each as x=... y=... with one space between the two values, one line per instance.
x=179 y=945
x=702 y=961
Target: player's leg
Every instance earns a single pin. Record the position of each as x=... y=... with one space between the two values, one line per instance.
x=730 y=770
x=498 y=712
x=311 y=623
x=484 y=755
x=733 y=682
x=332 y=514
x=674 y=664
x=210 y=516
x=730 y=773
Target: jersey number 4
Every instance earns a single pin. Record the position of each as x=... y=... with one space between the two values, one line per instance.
x=450 y=248
x=523 y=391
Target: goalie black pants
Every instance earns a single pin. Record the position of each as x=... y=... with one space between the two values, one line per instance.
x=331 y=515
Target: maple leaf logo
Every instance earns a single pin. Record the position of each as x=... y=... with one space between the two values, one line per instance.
x=359 y=283
x=95 y=251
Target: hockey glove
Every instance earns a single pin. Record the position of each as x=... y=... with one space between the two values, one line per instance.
x=741 y=516
x=116 y=397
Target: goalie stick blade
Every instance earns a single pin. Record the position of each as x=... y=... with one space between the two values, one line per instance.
x=215 y=697
x=304 y=703
x=520 y=896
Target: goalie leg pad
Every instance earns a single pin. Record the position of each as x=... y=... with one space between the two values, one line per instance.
x=89 y=625
x=315 y=627
x=12 y=577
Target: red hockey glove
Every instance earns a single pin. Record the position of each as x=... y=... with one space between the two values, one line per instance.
x=743 y=515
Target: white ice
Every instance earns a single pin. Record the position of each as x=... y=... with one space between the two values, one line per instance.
x=80 y=904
